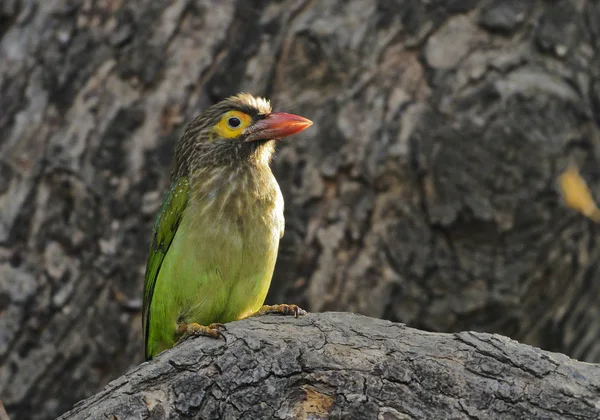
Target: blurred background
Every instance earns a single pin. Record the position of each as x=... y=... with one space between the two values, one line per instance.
x=426 y=192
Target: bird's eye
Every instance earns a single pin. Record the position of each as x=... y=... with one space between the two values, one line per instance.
x=234 y=122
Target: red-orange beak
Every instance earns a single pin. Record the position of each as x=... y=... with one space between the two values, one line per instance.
x=276 y=125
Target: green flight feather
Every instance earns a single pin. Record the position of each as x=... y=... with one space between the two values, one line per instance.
x=166 y=225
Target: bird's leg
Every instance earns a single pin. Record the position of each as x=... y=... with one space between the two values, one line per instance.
x=282 y=309
x=194 y=329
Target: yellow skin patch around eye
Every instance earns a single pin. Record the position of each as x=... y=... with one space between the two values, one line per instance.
x=223 y=130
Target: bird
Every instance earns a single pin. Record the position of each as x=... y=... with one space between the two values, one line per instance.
x=217 y=232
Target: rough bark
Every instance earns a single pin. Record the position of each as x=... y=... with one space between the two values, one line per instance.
x=344 y=366
x=424 y=193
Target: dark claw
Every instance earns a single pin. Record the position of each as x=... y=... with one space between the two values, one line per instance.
x=298 y=311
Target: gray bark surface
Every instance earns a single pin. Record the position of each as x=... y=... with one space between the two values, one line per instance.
x=345 y=366
x=424 y=193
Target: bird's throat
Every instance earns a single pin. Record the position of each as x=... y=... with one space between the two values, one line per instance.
x=260 y=152
x=232 y=190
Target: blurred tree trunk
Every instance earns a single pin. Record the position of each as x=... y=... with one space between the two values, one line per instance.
x=425 y=192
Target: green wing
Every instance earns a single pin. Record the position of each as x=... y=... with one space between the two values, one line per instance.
x=165 y=227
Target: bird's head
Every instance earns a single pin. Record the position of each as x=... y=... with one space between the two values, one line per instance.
x=240 y=129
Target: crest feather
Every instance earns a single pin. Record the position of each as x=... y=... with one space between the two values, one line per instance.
x=245 y=99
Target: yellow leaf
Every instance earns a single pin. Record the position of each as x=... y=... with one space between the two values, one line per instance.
x=576 y=194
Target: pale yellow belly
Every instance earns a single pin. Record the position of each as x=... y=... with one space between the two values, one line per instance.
x=217 y=269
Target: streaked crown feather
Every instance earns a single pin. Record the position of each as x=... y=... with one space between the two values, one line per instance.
x=242 y=100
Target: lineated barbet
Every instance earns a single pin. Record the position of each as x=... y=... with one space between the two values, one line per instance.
x=217 y=232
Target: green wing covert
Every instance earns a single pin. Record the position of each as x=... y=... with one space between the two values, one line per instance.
x=165 y=227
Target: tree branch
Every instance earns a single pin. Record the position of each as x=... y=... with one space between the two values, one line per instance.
x=340 y=365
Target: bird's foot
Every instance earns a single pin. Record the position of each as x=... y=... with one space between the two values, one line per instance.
x=194 y=329
x=282 y=309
